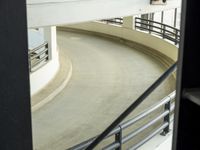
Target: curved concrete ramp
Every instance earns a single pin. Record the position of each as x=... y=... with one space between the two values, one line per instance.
x=107 y=76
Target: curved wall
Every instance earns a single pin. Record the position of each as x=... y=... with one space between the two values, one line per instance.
x=148 y=40
x=40 y=78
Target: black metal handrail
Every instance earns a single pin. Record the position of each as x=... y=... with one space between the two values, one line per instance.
x=116 y=128
x=38 y=56
x=163 y=30
x=129 y=123
x=165 y=101
x=117 y=21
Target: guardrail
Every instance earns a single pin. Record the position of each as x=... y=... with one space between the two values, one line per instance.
x=168 y=104
x=38 y=57
x=116 y=128
x=165 y=31
x=116 y=21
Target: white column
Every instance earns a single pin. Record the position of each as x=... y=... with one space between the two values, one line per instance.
x=50 y=37
x=129 y=22
x=40 y=78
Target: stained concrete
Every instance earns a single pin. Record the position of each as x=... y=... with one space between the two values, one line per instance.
x=107 y=77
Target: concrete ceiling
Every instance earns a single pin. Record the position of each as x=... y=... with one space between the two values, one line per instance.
x=57 y=12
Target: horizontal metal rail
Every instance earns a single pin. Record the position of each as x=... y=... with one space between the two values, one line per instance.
x=134 y=133
x=131 y=122
x=137 y=131
x=39 y=61
x=165 y=31
x=157 y=131
x=39 y=47
x=155 y=22
x=145 y=113
x=117 y=21
x=166 y=36
x=153 y=26
x=38 y=56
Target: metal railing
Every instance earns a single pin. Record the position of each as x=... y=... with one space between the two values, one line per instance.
x=116 y=21
x=38 y=57
x=165 y=31
x=116 y=128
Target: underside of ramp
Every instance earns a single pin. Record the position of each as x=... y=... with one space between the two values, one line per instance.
x=57 y=12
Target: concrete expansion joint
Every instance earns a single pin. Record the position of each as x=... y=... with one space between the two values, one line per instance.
x=62 y=78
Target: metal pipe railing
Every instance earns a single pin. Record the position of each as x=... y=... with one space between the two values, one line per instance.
x=134 y=147
x=163 y=30
x=137 y=131
x=117 y=132
x=155 y=22
x=117 y=21
x=131 y=122
x=132 y=107
x=38 y=56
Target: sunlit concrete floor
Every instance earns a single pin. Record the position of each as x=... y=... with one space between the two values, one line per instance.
x=107 y=77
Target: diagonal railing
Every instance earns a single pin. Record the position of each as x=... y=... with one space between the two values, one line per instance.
x=116 y=128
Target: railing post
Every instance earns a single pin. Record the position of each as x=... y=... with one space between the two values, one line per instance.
x=136 y=20
x=47 y=52
x=118 y=138
x=176 y=37
x=163 y=35
x=149 y=24
x=167 y=118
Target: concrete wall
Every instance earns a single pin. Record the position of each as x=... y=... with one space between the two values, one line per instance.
x=148 y=40
x=56 y=12
x=40 y=78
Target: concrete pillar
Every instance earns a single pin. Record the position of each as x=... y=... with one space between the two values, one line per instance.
x=50 y=37
x=129 y=22
x=40 y=78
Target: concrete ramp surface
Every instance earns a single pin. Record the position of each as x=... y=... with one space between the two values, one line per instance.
x=107 y=77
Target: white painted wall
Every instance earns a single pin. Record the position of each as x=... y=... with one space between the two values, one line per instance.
x=57 y=12
x=40 y=78
x=153 y=42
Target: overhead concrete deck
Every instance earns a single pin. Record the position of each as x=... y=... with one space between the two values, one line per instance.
x=107 y=77
x=58 y=12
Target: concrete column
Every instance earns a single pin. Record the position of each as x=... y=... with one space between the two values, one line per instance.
x=40 y=78
x=50 y=37
x=129 y=22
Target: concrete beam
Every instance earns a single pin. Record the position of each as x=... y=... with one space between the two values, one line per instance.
x=58 y=12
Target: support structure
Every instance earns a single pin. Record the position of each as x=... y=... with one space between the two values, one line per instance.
x=15 y=115
x=187 y=111
x=50 y=37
